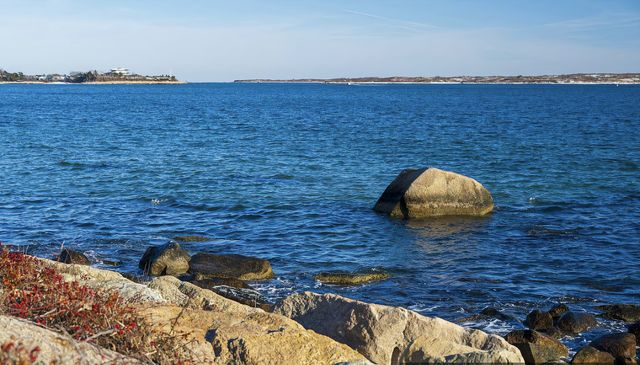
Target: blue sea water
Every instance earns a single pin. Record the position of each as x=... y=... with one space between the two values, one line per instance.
x=291 y=173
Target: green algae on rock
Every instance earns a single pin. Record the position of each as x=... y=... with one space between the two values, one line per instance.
x=348 y=278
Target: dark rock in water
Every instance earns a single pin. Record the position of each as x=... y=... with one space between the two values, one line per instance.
x=244 y=296
x=206 y=266
x=191 y=238
x=538 y=320
x=73 y=257
x=430 y=192
x=558 y=310
x=621 y=345
x=495 y=313
x=537 y=348
x=347 y=278
x=591 y=355
x=488 y=312
x=635 y=330
x=167 y=259
x=110 y=262
x=574 y=322
x=213 y=282
x=621 y=312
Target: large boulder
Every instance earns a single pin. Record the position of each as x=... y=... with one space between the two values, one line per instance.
x=54 y=348
x=557 y=311
x=621 y=345
x=167 y=259
x=390 y=335
x=576 y=322
x=621 y=312
x=72 y=257
x=591 y=355
x=537 y=348
x=431 y=192
x=207 y=265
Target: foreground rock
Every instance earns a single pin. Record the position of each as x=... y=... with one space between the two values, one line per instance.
x=55 y=348
x=538 y=320
x=537 y=348
x=621 y=345
x=167 y=259
x=68 y=256
x=591 y=355
x=576 y=322
x=389 y=335
x=621 y=312
x=431 y=192
x=347 y=278
x=246 y=296
x=250 y=337
x=206 y=265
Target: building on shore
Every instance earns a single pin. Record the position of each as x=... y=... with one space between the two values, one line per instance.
x=120 y=71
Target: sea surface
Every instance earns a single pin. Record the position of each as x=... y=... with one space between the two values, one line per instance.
x=290 y=173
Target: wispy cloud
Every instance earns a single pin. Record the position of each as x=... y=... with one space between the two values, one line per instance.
x=400 y=23
x=606 y=21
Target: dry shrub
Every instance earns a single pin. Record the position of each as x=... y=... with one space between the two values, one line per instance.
x=38 y=293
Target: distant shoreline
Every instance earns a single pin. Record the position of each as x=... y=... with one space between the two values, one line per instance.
x=597 y=78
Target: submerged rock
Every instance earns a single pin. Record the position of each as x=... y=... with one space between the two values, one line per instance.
x=488 y=312
x=537 y=348
x=191 y=238
x=591 y=355
x=347 y=278
x=68 y=256
x=206 y=265
x=621 y=345
x=538 y=320
x=390 y=335
x=576 y=322
x=621 y=312
x=167 y=259
x=248 y=297
x=431 y=192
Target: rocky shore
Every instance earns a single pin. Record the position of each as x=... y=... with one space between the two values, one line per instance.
x=199 y=308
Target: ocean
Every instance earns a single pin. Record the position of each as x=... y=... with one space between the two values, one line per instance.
x=290 y=173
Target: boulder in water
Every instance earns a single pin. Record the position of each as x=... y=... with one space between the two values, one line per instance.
x=621 y=345
x=591 y=355
x=538 y=320
x=575 y=322
x=207 y=265
x=621 y=312
x=432 y=192
x=537 y=348
x=558 y=310
x=167 y=259
x=348 y=278
x=73 y=257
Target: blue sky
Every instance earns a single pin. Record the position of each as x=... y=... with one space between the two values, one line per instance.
x=226 y=40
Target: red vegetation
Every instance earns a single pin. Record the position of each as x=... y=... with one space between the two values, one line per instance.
x=31 y=290
x=12 y=353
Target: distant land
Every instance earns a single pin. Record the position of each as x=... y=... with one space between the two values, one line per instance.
x=595 y=78
x=119 y=75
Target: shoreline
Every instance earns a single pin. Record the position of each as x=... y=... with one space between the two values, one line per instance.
x=96 y=83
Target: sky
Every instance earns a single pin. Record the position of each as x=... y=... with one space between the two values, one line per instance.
x=210 y=40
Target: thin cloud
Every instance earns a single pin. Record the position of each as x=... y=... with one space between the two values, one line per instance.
x=402 y=23
x=593 y=23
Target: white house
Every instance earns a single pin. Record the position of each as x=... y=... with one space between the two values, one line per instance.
x=121 y=71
